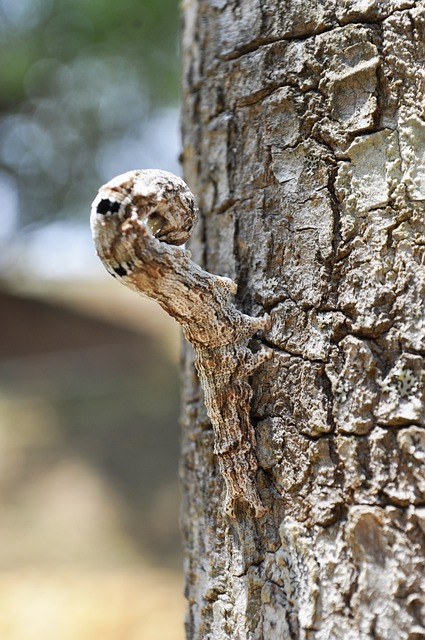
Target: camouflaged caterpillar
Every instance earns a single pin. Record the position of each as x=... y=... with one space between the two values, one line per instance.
x=137 y=220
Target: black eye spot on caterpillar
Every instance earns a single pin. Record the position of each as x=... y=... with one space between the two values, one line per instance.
x=142 y=249
x=108 y=206
x=120 y=271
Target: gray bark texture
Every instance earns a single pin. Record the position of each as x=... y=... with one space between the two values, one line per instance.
x=304 y=143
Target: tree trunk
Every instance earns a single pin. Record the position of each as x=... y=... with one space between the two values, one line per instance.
x=304 y=142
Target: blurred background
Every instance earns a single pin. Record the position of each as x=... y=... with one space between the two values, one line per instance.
x=89 y=438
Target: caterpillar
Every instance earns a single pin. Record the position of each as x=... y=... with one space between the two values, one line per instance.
x=139 y=220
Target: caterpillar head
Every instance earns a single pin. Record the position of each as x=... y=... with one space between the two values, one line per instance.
x=146 y=201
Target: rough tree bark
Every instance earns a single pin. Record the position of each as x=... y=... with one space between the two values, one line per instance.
x=304 y=142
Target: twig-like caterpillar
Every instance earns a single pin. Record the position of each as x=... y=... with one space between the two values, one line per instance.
x=137 y=220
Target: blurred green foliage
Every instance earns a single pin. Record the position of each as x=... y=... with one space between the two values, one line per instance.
x=79 y=81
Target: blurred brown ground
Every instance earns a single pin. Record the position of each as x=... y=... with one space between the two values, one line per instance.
x=89 y=498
